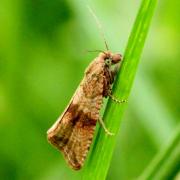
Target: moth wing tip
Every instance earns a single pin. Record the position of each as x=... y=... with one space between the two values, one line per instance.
x=77 y=167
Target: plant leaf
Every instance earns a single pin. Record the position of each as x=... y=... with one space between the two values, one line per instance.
x=100 y=157
x=165 y=165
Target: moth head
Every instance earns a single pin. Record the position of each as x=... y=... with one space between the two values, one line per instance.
x=111 y=58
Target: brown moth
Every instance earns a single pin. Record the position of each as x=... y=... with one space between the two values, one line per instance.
x=73 y=132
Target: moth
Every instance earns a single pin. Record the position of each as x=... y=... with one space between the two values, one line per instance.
x=73 y=132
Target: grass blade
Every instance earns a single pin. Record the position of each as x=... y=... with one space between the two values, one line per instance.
x=101 y=154
x=167 y=162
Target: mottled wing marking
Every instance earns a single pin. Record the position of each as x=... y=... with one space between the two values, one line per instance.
x=73 y=132
x=79 y=142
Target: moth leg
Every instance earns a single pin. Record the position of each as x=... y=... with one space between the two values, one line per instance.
x=101 y=122
x=115 y=99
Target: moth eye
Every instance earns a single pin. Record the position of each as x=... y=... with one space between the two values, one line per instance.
x=108 y=61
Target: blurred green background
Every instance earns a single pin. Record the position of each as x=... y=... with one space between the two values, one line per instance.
x=43 y=54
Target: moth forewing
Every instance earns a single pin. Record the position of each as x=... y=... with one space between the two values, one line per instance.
x=54 y=128
x=73 y=132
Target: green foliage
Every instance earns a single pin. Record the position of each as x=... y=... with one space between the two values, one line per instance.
x=42 y=61
x=101 y=154
x=165 y=165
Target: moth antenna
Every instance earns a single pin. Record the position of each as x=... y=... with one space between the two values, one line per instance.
x=96 y=51
x=99 y=26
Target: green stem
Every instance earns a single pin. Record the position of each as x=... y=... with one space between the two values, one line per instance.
x=167 y=162
x=100 y=157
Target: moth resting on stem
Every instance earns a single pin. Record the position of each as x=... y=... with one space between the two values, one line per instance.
x=73 y=132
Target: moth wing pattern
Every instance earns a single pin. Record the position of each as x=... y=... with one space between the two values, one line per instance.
x=73 y=132
x=76 y=149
